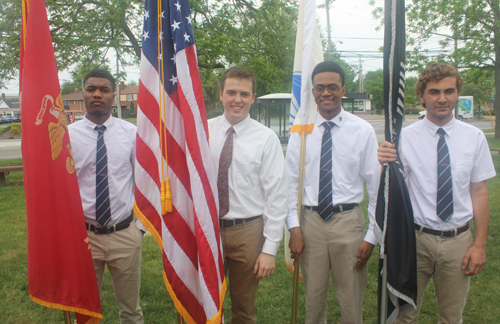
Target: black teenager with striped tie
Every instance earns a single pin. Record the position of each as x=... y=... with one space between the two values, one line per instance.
x=447 y=163
x=104 y=152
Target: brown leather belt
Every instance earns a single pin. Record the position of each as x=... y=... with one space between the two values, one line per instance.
x=234 y=222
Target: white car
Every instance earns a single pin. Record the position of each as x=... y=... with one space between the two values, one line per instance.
x=421 y=115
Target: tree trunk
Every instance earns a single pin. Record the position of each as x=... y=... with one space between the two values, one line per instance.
x=131 y=37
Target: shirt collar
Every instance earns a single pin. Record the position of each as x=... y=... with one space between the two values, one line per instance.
x=238 y=128
x=337 y=120
x=433 y=128
x=90 y=125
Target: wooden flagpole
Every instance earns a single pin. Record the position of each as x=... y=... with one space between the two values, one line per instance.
x=67 y=317
x=300 y=207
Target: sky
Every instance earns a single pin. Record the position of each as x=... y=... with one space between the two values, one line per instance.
x=352 y=30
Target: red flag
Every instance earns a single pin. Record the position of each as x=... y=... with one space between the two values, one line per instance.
x=172 y=143
x=60 y=269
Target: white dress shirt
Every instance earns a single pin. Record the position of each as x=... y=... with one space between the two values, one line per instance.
x=470 y=160
x=119 y=138
x=257 y=177
x=354 y=159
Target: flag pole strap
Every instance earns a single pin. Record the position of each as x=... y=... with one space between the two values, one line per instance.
x=67 y=317
x=300 y=207
x=179 y=318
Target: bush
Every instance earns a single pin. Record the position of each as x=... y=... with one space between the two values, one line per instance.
x=5 y=129
x=16 y=129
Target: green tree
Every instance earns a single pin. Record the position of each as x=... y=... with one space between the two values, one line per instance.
x=261 y=38
x=374 y=85
x=411 y=97
x=349 y=71
x=82 y=32
x=77 y=77
x=478 y=83
x=474 y=27
x=10 y=37
x=258 y=35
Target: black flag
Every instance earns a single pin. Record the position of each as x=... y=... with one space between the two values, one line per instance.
x=394 y=216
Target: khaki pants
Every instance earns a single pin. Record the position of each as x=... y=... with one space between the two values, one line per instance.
x=441 y=258
x=242 y=245
x=121 y=252
x=331 y=249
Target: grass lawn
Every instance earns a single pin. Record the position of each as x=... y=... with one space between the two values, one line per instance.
x=275 y=293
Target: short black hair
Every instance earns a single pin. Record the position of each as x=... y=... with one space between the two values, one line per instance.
x=328 y=66
x=100 y=73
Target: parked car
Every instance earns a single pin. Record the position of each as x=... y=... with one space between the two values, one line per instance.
x=421 y=115
x=7 y=120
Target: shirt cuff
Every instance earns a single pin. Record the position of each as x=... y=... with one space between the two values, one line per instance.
x=370 y=237
x=270 y=247
x=292 y=221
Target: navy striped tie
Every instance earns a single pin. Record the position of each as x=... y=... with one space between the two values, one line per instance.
x=325 y=207
x=444 y=208
x=102 y=208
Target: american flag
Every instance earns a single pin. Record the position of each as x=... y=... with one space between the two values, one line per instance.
x=172 y=141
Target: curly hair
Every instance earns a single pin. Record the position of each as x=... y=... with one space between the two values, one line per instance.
x=437 y=72
x=238 y=72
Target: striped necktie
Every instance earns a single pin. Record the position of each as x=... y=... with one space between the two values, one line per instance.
x=102 y=208
x=325 y=206
x=444 y=208
x=226 y=156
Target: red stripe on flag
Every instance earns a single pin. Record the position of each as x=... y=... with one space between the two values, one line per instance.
x=182 y=293
x=148 y=209
x=195 y=77
x=181 y=232
x=208 y=265
x=147 y=155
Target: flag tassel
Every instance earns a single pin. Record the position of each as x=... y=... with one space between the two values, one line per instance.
x=168 y=196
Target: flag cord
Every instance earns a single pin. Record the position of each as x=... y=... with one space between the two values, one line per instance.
x=165 y=192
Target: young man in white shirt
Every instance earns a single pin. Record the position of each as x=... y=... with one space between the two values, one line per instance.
x=341 y=154
x=444 y=202
x=104 y=152
x=252 y=187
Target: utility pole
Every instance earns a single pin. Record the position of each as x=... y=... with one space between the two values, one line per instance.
x=118 y=105
x=360 y=75
x=328 y=27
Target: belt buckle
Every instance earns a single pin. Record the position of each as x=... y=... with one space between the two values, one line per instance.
x=233 y=221
x=341 y=207
x=110 y=229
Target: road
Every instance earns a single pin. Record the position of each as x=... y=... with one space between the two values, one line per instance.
x=11 y=149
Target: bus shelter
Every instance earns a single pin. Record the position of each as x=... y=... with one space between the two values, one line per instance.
x=273 y=111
